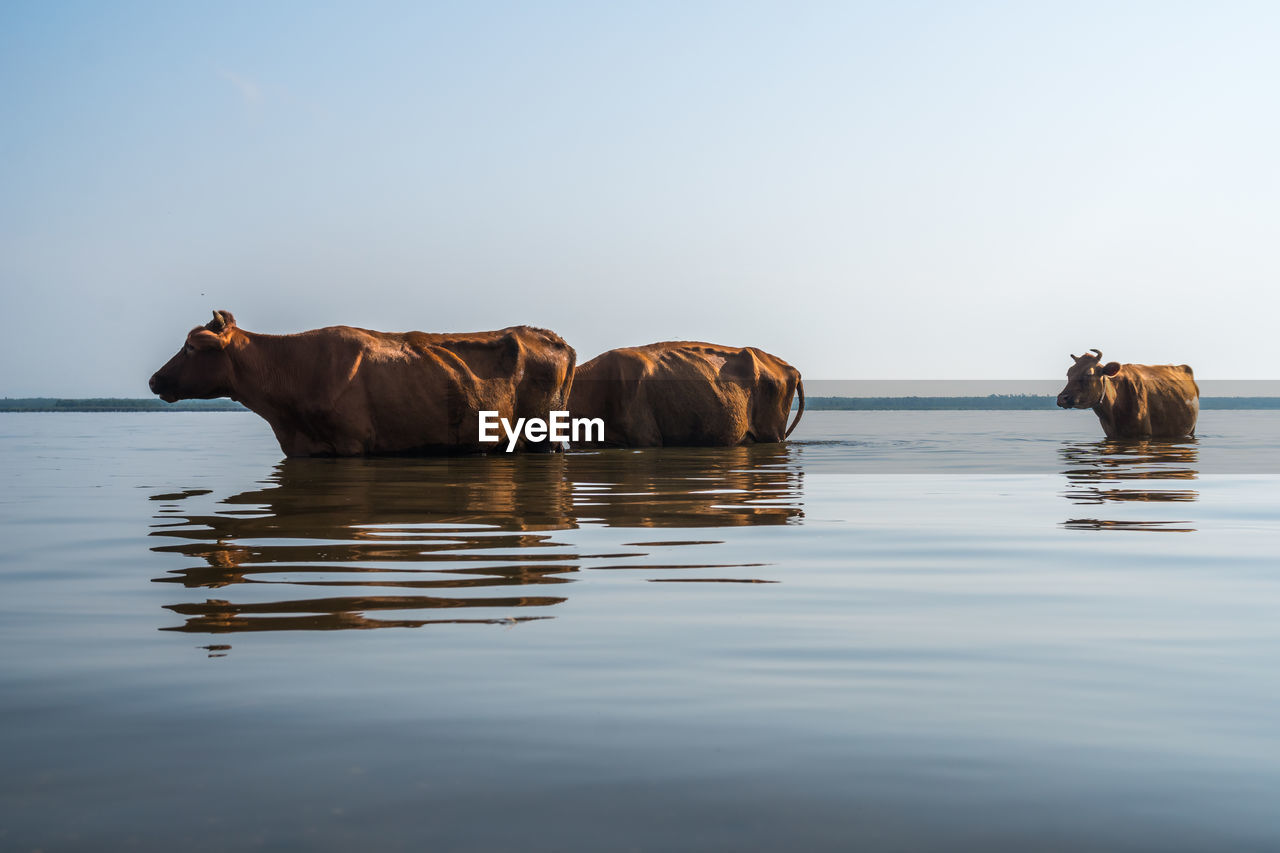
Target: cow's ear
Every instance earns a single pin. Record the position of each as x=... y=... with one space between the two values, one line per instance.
x=205 y=339
x=1111 y=368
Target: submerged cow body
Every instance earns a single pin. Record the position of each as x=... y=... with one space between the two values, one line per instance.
x=343 y=391
x=1134 y=401
x=687 y=393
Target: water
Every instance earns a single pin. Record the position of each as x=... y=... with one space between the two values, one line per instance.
x=905 y=630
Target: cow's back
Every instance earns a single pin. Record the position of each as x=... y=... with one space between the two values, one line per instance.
x=419 y=391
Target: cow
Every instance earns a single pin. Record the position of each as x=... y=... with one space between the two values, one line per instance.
x=1134 y=401
x=344 y=391
x=687 y=393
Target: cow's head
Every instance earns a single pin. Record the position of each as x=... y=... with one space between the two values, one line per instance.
x=202 y=368
x=1086 y=380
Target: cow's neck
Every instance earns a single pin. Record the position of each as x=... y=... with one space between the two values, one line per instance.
x=268 y=369
x=1106 y=405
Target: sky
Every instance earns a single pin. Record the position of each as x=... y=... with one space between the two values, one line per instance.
x=951 y=190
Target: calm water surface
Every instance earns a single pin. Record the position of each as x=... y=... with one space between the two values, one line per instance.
x=933 y=631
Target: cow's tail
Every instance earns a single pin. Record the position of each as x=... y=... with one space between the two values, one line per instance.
x=800 y=391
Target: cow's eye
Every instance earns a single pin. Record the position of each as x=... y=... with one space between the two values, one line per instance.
x=189 y=348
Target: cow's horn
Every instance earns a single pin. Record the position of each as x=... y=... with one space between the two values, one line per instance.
x=1074 y=357
x=219 y=322
x=1097 y=352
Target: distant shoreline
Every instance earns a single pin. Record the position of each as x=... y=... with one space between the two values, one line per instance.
x=997 y=403
x=990 y=403
x=114 y=404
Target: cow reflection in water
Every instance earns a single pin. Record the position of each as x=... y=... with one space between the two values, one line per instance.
x=441 y=532
x=687 y=486
x=1124 y=472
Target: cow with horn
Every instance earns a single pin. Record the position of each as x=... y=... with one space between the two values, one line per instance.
x=344 y=391
x=1133 y=401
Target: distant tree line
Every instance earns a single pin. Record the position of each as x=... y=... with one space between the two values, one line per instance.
x=996 y=402
x=114 y=404
x=990 y=402
x=1240 y=402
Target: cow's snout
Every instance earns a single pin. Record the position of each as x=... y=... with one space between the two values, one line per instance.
x=161 y=388
x=1065 y=401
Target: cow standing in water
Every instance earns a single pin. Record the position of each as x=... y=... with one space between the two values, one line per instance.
x=687 y=393
x=343 y=391
x=1134 y=400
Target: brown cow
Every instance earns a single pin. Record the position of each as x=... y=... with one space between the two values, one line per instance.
x=342 y=391
x=1134 y=400
x=687 y=393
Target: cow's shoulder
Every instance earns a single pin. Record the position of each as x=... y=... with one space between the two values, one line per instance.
x=691 y=360
x=1158 y=373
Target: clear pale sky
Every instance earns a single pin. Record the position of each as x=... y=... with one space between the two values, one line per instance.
x=869 y=190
